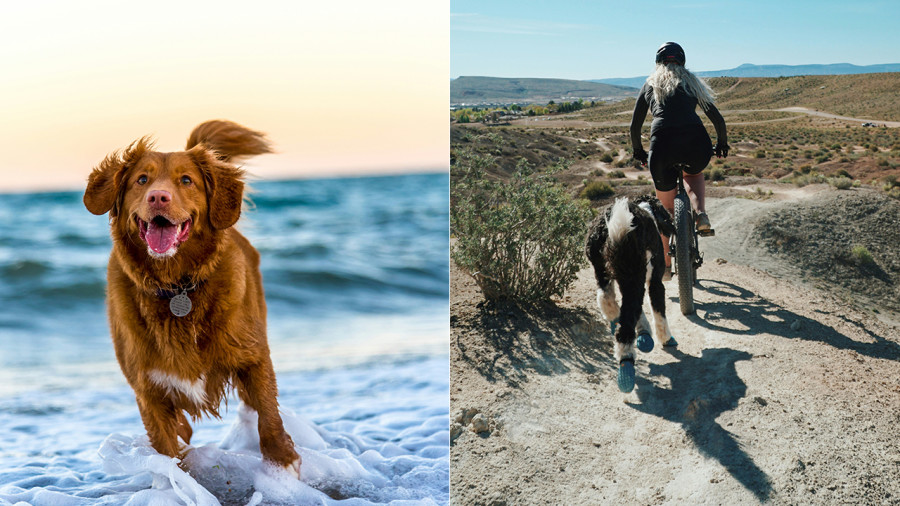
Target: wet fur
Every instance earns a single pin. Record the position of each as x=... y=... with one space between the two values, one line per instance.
x=623 y=244
x=183 y=366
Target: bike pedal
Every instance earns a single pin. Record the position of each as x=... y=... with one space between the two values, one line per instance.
x=706 y=233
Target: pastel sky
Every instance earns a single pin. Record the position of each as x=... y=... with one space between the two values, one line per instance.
x=598 y=39
x=341 y=87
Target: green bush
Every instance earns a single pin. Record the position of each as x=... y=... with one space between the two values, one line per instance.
x=862 y=255
x=841 y=183
x=597 y=190
x=616 y=174
x=715 y=174
x=607 y=158
x=520 y=239
x=805 y=179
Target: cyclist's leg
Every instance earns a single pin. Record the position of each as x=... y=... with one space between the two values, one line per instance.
x=699 y=151
x=695 y=186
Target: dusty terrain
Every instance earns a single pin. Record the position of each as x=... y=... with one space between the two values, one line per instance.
x=784 y=388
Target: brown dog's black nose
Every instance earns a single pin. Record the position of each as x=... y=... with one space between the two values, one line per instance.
x=159 y=199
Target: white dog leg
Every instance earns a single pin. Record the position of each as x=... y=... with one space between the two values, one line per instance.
x=606 y=299
x=662 y=328
x=623 y=351
x=643 y=326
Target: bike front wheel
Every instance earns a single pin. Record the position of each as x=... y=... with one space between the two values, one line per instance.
x=683 y=262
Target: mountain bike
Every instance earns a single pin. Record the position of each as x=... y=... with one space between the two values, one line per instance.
x=683 y=246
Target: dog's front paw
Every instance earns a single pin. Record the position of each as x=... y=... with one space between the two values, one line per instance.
x=294 y=468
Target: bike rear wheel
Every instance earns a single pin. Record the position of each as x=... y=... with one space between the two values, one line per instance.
x=684 y=264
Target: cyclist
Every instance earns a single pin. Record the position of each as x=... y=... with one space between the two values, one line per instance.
x=677 y=135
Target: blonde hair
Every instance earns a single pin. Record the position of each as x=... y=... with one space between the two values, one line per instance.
x=667 y=78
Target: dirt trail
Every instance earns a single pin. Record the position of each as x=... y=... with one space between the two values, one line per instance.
x=779 y=392
x=812 y=112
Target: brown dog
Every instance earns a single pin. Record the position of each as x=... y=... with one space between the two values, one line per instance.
x=185 y=297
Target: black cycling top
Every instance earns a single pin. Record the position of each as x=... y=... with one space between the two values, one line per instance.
x=678 y=111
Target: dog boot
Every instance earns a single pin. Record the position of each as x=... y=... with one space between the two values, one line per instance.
x=612 y=326
x=703 y=226
x=626 y=375
x=644 y=342
x=671 y=343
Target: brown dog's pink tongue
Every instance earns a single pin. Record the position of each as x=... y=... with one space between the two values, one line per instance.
x=161 y=238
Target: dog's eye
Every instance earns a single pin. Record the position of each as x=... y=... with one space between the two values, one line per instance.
x=142 y=180
x=186 y=180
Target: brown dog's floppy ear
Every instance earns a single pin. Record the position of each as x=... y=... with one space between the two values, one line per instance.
x=105 y=181
x=102 y=188
x=224 y=187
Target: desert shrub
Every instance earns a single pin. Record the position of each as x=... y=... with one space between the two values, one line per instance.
x=842 y=173
x=607 y=158
x=597 y=190
x=841 y=183
x=520 y=239
x=805 y=179
x=616 y=174
x=862 y=255
x=715 y=174
x=760 y=153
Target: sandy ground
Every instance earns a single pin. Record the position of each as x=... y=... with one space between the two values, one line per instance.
x=779 y=392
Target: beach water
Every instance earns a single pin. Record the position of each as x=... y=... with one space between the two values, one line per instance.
x=356 y=278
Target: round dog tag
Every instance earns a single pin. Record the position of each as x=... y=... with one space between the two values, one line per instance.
x=180 y=305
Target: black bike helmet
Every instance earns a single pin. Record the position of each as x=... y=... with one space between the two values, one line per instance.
x=670 y=52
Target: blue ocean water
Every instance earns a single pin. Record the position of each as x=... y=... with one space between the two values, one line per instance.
x=356 y=277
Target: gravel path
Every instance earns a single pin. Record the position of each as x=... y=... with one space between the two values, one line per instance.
x=782 y=390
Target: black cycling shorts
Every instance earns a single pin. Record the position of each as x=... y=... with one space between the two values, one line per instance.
x=688 y=145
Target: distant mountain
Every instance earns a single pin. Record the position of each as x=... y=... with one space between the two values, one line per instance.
x=473 y=90
x=750 y=70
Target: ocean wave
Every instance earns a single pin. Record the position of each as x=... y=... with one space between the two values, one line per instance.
x=24 y=269
x=369 y=245
x=88 y=445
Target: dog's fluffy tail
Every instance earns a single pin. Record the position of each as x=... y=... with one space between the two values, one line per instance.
x=620 y=220
x=229 y=140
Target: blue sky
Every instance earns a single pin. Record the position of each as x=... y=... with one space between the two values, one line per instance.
x=600 y=39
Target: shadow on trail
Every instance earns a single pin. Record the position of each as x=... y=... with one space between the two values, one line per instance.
x=702 y=388
x=546 y=340
x=755 y=314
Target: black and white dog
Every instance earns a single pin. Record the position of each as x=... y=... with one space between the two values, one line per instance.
x=623 y=244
